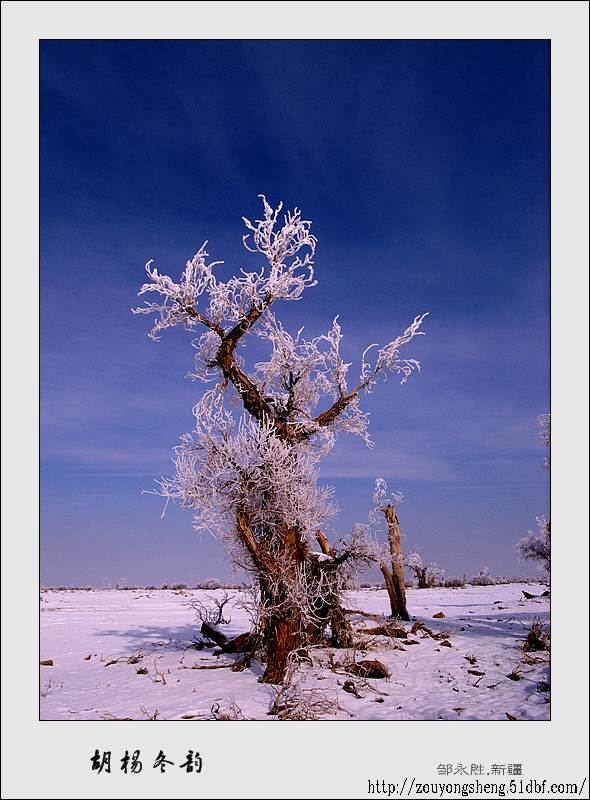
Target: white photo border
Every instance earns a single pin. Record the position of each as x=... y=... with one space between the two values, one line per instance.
x=329 y=759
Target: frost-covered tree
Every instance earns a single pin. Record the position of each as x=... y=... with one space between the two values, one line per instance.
x=250 y=477
x=393 y=573
x=536 y=545
x=428 y=575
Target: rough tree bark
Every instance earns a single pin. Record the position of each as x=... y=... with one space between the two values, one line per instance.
x=284 y=629
x=283 y=635
x=394 y=577
x=342 y=634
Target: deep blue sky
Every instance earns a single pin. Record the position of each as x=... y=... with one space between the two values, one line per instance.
x=425 y=168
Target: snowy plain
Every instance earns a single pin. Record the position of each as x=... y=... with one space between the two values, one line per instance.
x=127 y=655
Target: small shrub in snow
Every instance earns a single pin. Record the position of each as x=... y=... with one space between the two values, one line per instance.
x=212 y=614
x=230 y=713
x=211 y=584
x=538 y=637
x=483 y=579
x=454 y=582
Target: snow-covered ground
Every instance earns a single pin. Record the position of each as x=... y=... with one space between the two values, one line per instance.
x=148 y=633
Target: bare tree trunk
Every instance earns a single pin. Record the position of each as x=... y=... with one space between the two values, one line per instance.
x=283 y=635
x=282 y=624
x=323 y=543
x=284 y=630
x=342 y=634
x=394 y=577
